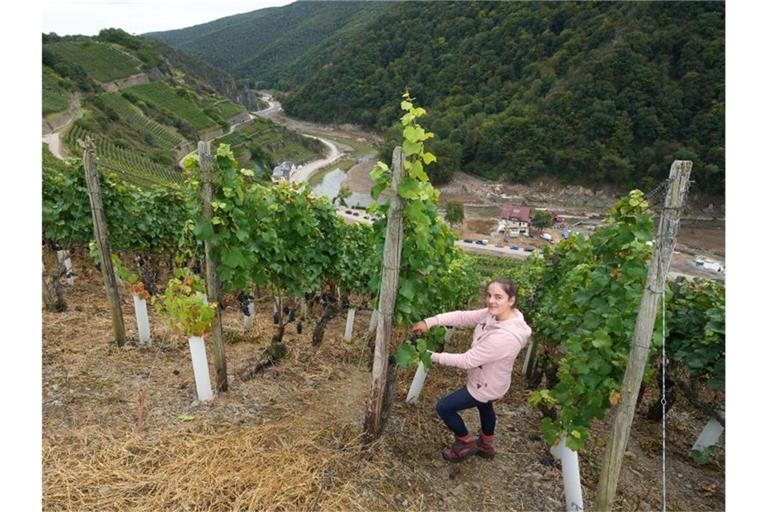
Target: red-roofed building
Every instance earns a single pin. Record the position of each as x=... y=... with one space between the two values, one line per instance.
x=514 y=221
x=521 y=213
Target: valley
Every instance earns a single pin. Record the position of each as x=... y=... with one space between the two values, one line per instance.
x=549 y=114
x=702 y=231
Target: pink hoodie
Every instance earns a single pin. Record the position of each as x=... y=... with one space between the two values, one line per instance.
x=495 y=346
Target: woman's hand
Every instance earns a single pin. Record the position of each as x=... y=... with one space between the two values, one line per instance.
x=420 y=327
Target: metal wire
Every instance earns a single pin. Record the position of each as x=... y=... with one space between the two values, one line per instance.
x=663 y=399
x=660 y=192
x=657 y=198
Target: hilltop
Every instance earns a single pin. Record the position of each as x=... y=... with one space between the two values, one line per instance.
x=279 y=47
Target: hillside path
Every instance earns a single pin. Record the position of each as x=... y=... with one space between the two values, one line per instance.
x=53 y=139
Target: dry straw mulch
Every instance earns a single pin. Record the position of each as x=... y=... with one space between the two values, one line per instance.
x=289 y=439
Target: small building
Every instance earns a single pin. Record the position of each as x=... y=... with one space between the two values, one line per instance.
x=283 y=171
x=514 y=221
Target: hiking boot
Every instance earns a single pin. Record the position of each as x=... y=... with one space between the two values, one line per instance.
x=485 y=447
x=461 y=448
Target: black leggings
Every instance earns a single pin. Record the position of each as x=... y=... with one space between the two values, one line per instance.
x=448 y=408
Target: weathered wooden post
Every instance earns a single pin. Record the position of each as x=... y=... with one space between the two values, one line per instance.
x=53 y=298
x=211 y=276
x=390 y=275
x=646 y=318
x=530 y=357
x=102 y=240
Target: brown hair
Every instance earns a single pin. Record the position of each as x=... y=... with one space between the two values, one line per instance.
x=509 y=287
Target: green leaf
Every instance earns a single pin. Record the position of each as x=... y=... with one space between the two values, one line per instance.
x=417 y=171
x=601 y=339
x=411 y=134
x=407 y=288
x=203 y=229
x=379 y=171
x=412 y=148
x=426 y=359
x=428 y=158
x=409 y=188
x=406 y=355
x=378 y=188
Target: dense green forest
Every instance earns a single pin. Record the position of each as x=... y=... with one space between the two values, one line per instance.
x=585 y=92
x=276 y=47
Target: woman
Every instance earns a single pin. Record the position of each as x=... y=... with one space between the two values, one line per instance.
x=500 y=334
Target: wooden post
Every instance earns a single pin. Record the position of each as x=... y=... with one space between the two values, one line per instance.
x=646 y=318
x=53 y=299
x=211 y=276
x=530 y=357
x=390 y=275
x=101 y=233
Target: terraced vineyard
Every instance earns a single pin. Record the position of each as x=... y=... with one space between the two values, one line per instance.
x=175 y=102
x=99 y=60
x=128 y=164
x=262 y=143
x=495 y=266
x=226 y=109
x=141 y=123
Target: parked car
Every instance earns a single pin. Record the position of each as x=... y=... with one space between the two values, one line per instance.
x=546 y=236
x=468 y=241
x=356 y=214
x=514 y=247
x=481 y=242
x=348 y=212
x=528 y=249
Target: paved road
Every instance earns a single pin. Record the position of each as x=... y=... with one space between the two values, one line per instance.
x=305 y=172
x=53 y=139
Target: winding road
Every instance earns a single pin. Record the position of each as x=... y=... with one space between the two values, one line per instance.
x=53 y=139
x=304 y=172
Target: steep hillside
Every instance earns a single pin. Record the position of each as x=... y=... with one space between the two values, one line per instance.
x=145 y=105
x=585 y=92
x=276 y=47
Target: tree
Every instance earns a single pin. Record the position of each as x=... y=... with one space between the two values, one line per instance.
x=543 y=219
x=342 y=196
x=454 y=213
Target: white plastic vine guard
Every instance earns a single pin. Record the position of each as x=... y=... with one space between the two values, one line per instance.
x=374 y=320
x=249 y=317
x=710 y=435
x=350 y=324
x=63 y=255
x=569 y=459
x=417 y=384
x=200 y=367
x=142 y=319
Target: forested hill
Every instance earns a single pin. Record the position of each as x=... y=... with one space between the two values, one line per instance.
x=586 y=92
x=591 y=93
x=279 y=46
